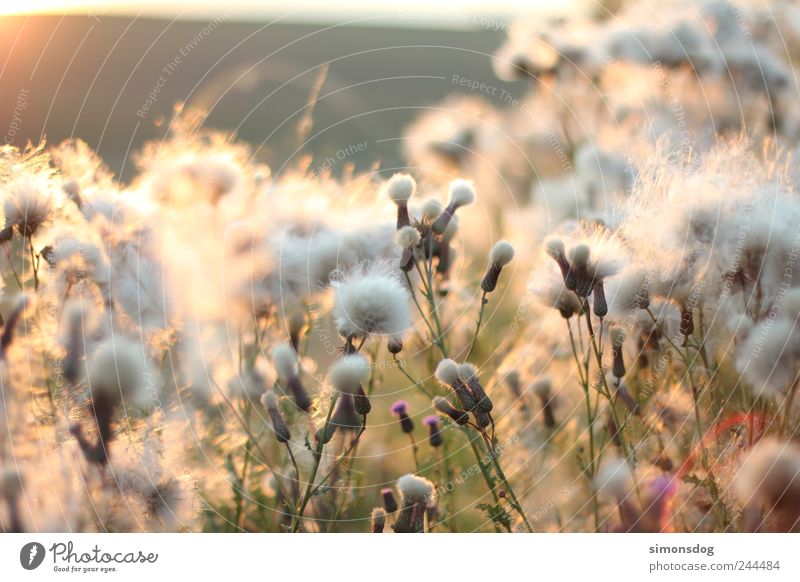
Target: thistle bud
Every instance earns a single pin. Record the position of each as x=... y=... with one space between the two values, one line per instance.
x=501 y=254
x=432 y=513
x=378 y=519
x=468 y=374
x=460 y=417
x=395 y=344
x=617 y=335
x=347 y=376
x=687 y=321
x=400 y=410
x=288 y=368
x=557 y=251
x=400 y=188
x=415 y=492
x=482 y=419
x=543 y=388
x=578 y=273
x=389 y=501
x=462 y=192
x=447 y=374
x=407 y=239
x=435 y=435
x=324 y=435
x=270 y=401
x=362 y=403
x=599 y=303
x=345 y=416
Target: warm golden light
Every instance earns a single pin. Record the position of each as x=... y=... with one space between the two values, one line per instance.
x=255 y=8
x=41 y=6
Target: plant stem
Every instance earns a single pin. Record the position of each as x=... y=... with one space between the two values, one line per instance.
x=484 y=301
x=510 y=491
x=298 y=516
x=410 y=377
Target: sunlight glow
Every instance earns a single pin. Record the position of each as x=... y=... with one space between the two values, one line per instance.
x=302 y=9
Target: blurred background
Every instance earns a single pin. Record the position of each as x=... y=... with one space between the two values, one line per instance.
x=110 y=73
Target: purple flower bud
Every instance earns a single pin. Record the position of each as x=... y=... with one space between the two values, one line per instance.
x=389 y=501
x=400 y=410
x=435 y=436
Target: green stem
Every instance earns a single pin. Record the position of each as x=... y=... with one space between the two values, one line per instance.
x=477 y=326
x=510 y=490
x=298 y=516
x=410 y=377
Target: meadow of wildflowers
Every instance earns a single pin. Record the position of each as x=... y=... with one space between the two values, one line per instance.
x=574 y=310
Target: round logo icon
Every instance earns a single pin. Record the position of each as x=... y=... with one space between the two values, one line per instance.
x=31 y=555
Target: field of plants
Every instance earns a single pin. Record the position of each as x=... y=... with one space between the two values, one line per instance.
x=570 y=310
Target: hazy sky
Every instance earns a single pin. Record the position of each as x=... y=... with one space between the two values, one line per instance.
x=461 y=13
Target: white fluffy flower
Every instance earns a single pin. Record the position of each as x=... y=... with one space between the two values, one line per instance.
x=372 y=300
x=415 y=489
x=27 y=207
x=120 y=370
x=349 y=372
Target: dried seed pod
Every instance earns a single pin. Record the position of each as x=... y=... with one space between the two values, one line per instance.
x=378 y=520
x=501 y=255
x=279 y=427
x=415 y=492
x=460 y=417
x=462 y=192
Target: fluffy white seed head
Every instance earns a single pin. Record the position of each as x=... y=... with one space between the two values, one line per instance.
x=431 y=209
x=614 y=479
x=372 y=300
x=547 y=286
x=555 y=247
x=462 y=192
x=415 y=489
x=502 y=253
x=447 y=372
x=400 y=188
x=269 y=399
x=285 y=359
x=467 y=372
x=407 y=237
x=348 y=373
x=767 y=358
x=628 y=292
x=27 y=206
x=118 y=369
x=617 y=335
x=579 y=255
